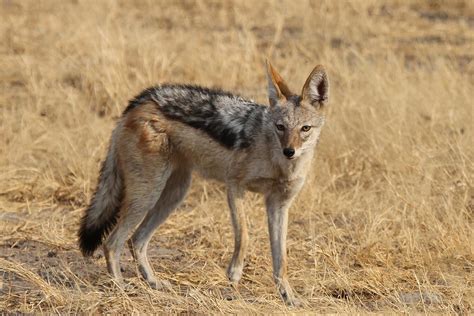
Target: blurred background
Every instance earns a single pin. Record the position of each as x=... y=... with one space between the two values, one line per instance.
x=385 y=222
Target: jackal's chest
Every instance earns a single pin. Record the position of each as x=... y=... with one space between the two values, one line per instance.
x=288 y=187
x=264 y=175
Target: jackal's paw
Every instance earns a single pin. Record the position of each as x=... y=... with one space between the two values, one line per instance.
x=159 y=284
x=292 y=302
x=234 y=273
x=120 y=284
x=287 y=295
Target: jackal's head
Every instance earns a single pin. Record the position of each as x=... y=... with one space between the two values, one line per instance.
x=298 y=118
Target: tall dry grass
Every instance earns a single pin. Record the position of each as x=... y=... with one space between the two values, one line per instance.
x=385 y=222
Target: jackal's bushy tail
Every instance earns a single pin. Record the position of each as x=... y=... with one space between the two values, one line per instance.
x=101 y=215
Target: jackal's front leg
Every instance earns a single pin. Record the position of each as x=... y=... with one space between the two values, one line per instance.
x=239 y=223
x=277 y=211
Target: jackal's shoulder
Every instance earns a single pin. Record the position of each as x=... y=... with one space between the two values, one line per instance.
x=230 y=119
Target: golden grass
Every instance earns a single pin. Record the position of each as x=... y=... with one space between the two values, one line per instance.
x=385 y=224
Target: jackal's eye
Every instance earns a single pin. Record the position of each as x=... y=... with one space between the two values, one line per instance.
x=280 y=127
x=306 y=128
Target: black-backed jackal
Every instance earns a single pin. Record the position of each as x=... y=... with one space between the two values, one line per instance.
x=168 y=131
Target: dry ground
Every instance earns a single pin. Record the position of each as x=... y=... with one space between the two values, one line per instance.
x=385 y=223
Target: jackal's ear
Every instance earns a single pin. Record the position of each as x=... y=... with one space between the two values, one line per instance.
x=277 y=88
x=316 y=88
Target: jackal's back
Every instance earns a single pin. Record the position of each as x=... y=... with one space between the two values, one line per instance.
x=229 y=119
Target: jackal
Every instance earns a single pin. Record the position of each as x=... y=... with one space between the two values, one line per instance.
x=168 y=131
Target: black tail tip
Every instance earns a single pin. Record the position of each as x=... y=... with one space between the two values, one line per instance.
x=92 y=232
x=89 y=240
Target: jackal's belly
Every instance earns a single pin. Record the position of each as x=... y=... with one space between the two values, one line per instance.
x=211 y=168
x=202 y=153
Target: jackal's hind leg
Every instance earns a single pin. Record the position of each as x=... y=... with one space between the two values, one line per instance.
x=172 y=195
x=144 y=183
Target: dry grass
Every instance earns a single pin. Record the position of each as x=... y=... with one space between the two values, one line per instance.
x=385 y=223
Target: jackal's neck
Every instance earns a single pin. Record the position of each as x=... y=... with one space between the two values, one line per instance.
x=296 y=168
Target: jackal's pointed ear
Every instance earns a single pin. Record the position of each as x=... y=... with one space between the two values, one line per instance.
x=316 y=88
x=277 y=88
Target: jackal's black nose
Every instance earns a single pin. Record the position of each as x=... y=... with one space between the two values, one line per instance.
x=289 y=152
